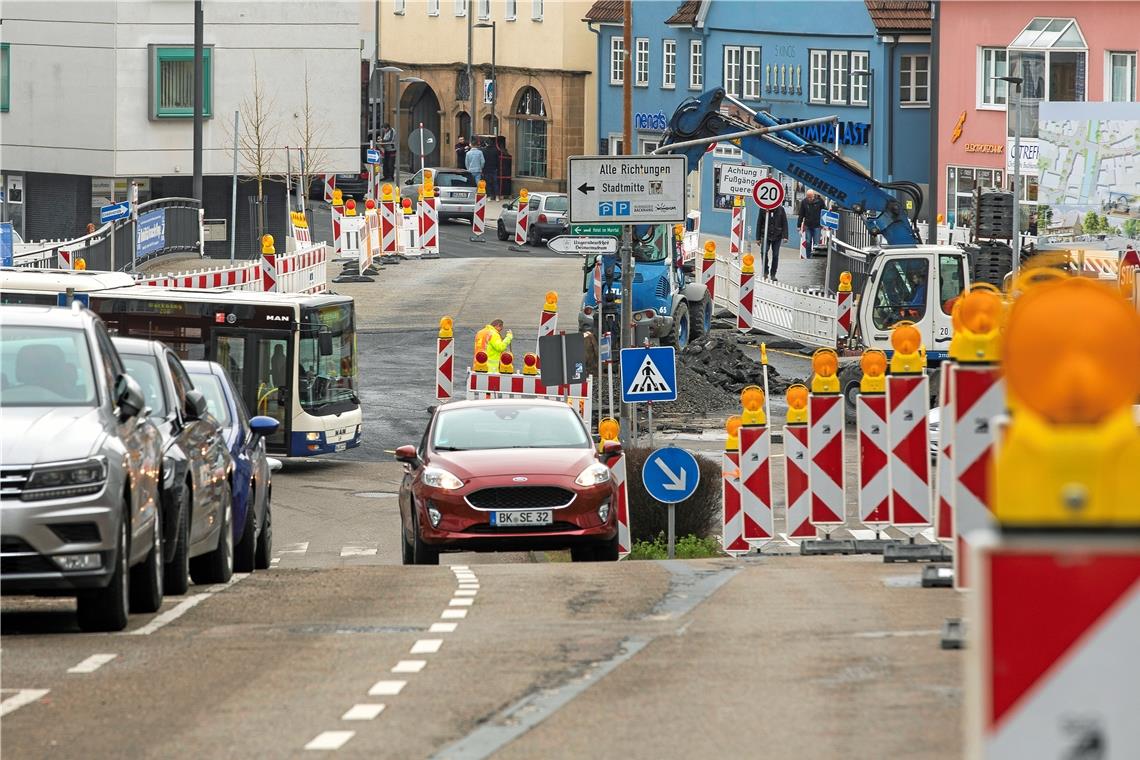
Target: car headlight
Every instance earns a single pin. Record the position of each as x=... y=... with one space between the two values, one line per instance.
x=436 y=477
x=312 y=436
x=61 y=481
x=594 y=475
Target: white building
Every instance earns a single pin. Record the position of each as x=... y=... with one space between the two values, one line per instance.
x=99 y=93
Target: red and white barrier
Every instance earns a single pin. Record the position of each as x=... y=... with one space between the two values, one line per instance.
x=479 y=219
x=522 y=220
x=444 y=366
x=429 y=226
x=908 y=444
x=299 y=235
x=269 y=272
x=874 y=483
x=708 y=270
x=797 y=494
x=843 y=302
x=747 y=291
x=598 y=283
x=732 y=533
x=242 y=277
x=621 y=494
x=736 y=228
x=548 y=321
x=484 y=385
x=388 y=222
x=337 y=211
x=979 y=397
x=330 y=186
x=826 y=427
x=756 y=484
x=944 y=461
x=65 y=259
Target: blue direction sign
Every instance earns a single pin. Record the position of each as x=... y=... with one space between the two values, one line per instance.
x=604 y=348
x=120 y=210
x=829 y=219
x=83 y=298
x=373 y=156
x=648 y=374
x=670 y=475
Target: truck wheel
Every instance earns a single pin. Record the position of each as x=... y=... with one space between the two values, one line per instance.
x=678 y=337
x=701 y=314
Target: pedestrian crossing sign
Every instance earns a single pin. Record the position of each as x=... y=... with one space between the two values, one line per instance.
x=648 y=374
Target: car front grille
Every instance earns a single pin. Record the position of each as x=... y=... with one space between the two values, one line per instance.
x=76 y=533
x=521 y=497
x=555 y=527
x=13 y=480
x=24 y=559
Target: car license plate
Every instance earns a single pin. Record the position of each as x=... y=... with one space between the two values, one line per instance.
x=516 y=519
x=341 y=446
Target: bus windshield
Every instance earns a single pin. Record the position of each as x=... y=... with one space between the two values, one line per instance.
x=327 y=358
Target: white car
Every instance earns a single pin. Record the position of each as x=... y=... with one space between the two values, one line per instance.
x=933 y=423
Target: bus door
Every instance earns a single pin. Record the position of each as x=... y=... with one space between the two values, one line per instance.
x=260 y=366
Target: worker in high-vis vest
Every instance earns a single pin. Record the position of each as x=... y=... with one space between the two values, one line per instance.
x=491 y=341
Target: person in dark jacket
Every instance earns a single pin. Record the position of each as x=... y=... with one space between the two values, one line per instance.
x=461 y=148
x=777 y=224
x=491 y=168
x=809 y=211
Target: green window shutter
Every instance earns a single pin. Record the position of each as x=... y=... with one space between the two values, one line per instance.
x=5 y=76
x=172 y=80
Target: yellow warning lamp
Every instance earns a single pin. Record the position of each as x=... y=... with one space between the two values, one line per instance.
x=481 y=189
x=551 y=304
x=267 y=245
x=797 y=398
x=608 y=430
x=1071 y=361
x=338 y=197
x=710 y=251
x=530 y=364
x=977 y=326
x=746 y=264
x=763 y=353
x=825 y=365
x=732 y=427
x=678 y=232
x=428 y=190
x=81 y=264
x=350 y=207
x=752 y=399
x=874 y=366
x=941 y=218
x=844 y=282
x=386 y=193
x=480 y=364
x=506 y=363
x=524 y=197
x=738 y=200
x=445 y=327
x=909 y=357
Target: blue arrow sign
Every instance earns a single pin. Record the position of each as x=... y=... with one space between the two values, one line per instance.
x=671 y=475
x=120 y=210
x=373 y=156
x=829 y=219
x=604 y=348
x=648 y=374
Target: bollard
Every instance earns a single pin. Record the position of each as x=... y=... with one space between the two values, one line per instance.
x=506 y=363
x=755 y=472
x=429 y=220
x=445 y=360
x=389 y=247
x=843 y=303
x=609 y=431
x=478 y=219
x=736 y=229
x=548 y=322
x=732 y=534
x=708 y=270
x=268 y=265
x=370 y=237
x=826 y=428
x=744 y=306
x=330 y=188
x=908 y=443
x=797 y=494
x=337 y=210
x=522 y=222
x=871 y=427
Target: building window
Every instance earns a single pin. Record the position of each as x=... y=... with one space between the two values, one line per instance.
x=1121 y=77
x=172 y=82
x=400 y=7
x=530 y=128
x=817 y=88
x=648 y=146
x=914 y=80
x=433 y=7
x=839 y=76
x=5 y=76
x=616 y=146
x=992 y=92
x=732 y=70
x=536 y=11
x=961 y=181
x=669 y=64
x=460 y=7
x=1051 y=58
x=641 y=62
x=484 y=9
x=752 y=72
x=860 y=85
x=696 y=64
x=511 y=11
x=617 y=60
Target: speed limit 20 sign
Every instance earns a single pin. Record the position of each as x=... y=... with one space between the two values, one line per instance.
x=768 y=193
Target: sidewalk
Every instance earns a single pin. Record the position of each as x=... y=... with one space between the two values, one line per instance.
x=800 y=273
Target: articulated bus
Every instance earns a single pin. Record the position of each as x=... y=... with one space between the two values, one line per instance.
x=292 y=357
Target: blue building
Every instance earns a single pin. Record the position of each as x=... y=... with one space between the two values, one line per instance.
x=795 y=60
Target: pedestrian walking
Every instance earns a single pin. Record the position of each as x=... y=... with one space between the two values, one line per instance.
x=474 y=162
x=493 y=342
x=776 y=225
x=388 y=150
x=461 y=148
x=809 y=212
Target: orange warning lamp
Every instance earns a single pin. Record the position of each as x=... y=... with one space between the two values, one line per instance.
x=551 y=301
x=797 y=398
x=732 y=427
x=369 y=205
x=267 y=245
x=752 y=399
x=825 y=365
x=909 y=357
x=710 y=250
x=746 y=264
x=386 y=192
x=338 y=197
x=1072 y=450
x=978 y=324
x=445 y=327
x=844 y=282
x=609 y=429
x=482 y=187
x=81 y=264
x=678 y=231
x=524 y=196
x=874 y=366
x=480 y=361
x=530 y=364
x=506 y=363
x=350 y=207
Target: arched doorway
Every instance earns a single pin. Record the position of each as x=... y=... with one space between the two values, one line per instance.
x=490 y=125
x=530 y=134
x=418 y=105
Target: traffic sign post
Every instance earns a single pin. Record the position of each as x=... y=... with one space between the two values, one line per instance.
x=372 y=156
x=830 y=220
x=583 y=245
x=671 y=475
x=421 y=142
x=648 y=374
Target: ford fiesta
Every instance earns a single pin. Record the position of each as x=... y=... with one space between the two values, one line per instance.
x=506 y=475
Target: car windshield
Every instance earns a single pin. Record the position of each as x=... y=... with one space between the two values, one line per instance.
x=211 y=387
x=45 y=366
x=557 y=203
x=144 y=369
x=508 y=426
x=453 y=179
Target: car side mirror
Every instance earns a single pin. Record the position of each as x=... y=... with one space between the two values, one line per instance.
x=611 y=448
x=407 y=455
x=263 y=426
x=196 y=406
x=128 y=397
x=325 y=343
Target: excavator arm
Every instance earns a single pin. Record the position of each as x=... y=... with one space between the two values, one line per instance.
x=826 y=172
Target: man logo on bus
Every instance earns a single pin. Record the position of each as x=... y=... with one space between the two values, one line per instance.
x=276 y=318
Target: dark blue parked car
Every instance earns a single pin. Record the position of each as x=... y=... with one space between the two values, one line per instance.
x=245 y=439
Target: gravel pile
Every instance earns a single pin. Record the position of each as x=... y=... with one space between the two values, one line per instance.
x=729 y=361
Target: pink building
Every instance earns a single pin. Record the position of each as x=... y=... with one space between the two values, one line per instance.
x=1063 y=51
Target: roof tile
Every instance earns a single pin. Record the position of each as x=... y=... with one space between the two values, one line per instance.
x=900 y=15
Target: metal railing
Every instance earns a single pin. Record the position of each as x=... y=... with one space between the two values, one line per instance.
x=842 y=257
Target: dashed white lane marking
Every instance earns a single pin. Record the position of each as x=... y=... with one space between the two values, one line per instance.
x=466 y=591
x=92 y=663
x=184 y=606
x=362 y=712
x=358 y=551
x=330 y=740
x=298 y=548
x=894 y=634
x=386 y=688
x=458 y=567
x=443 y=627
x=426 y=646
x=19 y=699
x=454 y=614
x=461 y=602
x=468 y=585
x=409 y=666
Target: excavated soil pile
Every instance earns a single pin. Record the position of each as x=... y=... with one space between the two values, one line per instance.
x=714 y=369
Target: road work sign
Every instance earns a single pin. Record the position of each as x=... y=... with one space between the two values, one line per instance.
x=627 y=189
x=648 y=374
x=738 y=180
x=670 y=475
x=583 y=245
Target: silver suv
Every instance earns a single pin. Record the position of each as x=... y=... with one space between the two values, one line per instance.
x=79 y=509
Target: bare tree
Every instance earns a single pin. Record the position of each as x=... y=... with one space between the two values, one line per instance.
x=256 y=140
x=311 y=132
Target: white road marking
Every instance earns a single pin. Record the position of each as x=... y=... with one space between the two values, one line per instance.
x=235 y=578
x=299 y=548
x=454 y=614
x=329 y=740
x=461 y=602
x=386 y=688
x=409 y=666
x=20 y=698
x=467 y=584
x=357 y=551
x=362 y=712
x=787 y=540
x=92 y=663
x=275 y=560
x=443 y=627
x=170 y=615
x=458 y=567
x=466 y=591
x=463 y=579
x=426 y=646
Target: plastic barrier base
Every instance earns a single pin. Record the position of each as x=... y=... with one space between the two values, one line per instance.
x=873 y=545
x=818 y=546
x=954 y=633
x=906 y=551
x=938 y=576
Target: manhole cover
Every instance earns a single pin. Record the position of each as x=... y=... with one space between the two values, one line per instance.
x=375 y=494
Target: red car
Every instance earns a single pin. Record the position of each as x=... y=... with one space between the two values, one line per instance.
x=506 y=475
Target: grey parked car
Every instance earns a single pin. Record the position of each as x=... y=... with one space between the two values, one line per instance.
x=546 y=217
x=455 y=189
x=79 y=506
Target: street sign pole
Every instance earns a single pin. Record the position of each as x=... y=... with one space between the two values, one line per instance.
x=112 y=249
x=672 y=528
x=626 y=322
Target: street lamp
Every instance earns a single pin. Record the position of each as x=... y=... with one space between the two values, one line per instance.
x=494 y=77
x=1016 y=82
x=382 y=70
x=404 y=80
x=869 y=75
